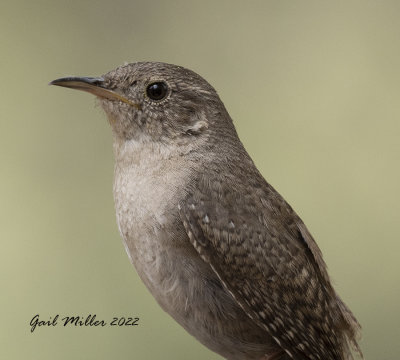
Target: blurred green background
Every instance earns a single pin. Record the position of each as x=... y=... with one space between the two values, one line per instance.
x=313 y=88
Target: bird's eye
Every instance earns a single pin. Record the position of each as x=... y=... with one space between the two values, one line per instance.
x=157 y=90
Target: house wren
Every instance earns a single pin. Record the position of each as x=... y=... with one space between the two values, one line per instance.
x=220 y=250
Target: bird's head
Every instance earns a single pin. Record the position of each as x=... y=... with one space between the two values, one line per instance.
x=153 y=101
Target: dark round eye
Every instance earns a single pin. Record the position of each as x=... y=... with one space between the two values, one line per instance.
x=157 y=90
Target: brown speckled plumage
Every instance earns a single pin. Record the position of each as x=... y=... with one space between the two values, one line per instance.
x=221 y=251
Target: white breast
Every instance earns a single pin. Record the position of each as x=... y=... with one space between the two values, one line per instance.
x=147 y=186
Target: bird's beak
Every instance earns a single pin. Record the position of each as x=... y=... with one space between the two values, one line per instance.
x=94 y=86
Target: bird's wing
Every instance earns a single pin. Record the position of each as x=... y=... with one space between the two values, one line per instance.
x=269 y=262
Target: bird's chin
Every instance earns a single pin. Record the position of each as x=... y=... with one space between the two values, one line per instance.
x=123 y=118
x=113 y=107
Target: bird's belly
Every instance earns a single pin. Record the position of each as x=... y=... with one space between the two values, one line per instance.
x=182 y=283
x=188 y=289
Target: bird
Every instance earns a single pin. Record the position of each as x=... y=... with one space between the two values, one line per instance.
x=216 y=245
